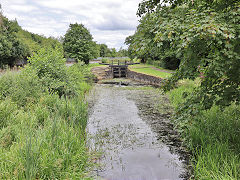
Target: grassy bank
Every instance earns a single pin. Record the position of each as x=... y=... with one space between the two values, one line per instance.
x=211 y=135
x=149 y=70
x=90 y=66
x=43 y=117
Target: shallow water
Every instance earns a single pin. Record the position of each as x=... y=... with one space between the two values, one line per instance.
x=130 y=148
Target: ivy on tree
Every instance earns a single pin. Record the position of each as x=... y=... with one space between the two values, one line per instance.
x=78 y=43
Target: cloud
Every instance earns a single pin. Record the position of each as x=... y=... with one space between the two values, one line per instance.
x=114 y=24
x=21 y=8
x=109 y=21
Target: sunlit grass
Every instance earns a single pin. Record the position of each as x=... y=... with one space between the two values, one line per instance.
x=90 y=66
x=147 y=69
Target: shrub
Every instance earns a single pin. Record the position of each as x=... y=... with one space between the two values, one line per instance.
x=105 y=60
x=49 y=65
x=211 y=135
x=20 y=88
x=42 y=133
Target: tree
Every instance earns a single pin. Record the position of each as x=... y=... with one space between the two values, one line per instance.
x=11 y=48
x=204 y=35
x=103 y=50
x=95 y=48
x=122 y=52
x=78 y=43
x=113 y=52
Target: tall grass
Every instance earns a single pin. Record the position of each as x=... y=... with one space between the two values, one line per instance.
x=42 y=124
x=212 y=136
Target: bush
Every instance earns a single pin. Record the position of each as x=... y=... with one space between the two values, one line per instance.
x=105 y=60
x=49 y=65
x=42 y=133
x=21 y=88
x=211 y=135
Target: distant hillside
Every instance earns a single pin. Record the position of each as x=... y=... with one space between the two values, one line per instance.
x=34 y=41
x=18 y=44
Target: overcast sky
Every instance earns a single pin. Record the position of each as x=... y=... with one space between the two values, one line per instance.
x=109 y=21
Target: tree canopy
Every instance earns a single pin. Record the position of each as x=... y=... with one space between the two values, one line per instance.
x=16 y=43
x=78 y=43
x=10 y=47
x=202 y=37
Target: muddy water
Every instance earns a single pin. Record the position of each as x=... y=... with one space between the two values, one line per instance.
x=130 y=148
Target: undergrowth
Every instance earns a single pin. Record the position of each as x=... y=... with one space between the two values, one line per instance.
x=43 y=117
x=211 y=135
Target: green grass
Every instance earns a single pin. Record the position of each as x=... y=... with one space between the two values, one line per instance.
x=184 y=86
x=42 y=123
x=90 y=66
x=211 y=135
x=43 y=141
x=147 y=69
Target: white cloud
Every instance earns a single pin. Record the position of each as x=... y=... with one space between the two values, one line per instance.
x=109 y=21
x=22 y=8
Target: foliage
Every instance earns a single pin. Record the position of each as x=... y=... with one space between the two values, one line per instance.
x=42 y=135
x=18 y=44
x=204 y=42
x=149 y=6
x=20 y=88
x=49 y=65
x=95 y=50
x=142 y=44
x=122 y=52
x=103 y=50
x=109 y=52
x=203 y=35
x=78 y=43
x=208 y=46
x=212 y=135
x=10 y=47
x=35 y=42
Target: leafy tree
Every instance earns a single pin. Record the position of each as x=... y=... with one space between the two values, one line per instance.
x=204 y=35
x=11 y=48
x=103 y=50
x=16 y=43
x=78 y=43
x=122 y=52
x=113 y=52
x=208 y=44
x=143 y=45
x=95 y=48
x=35 y=42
